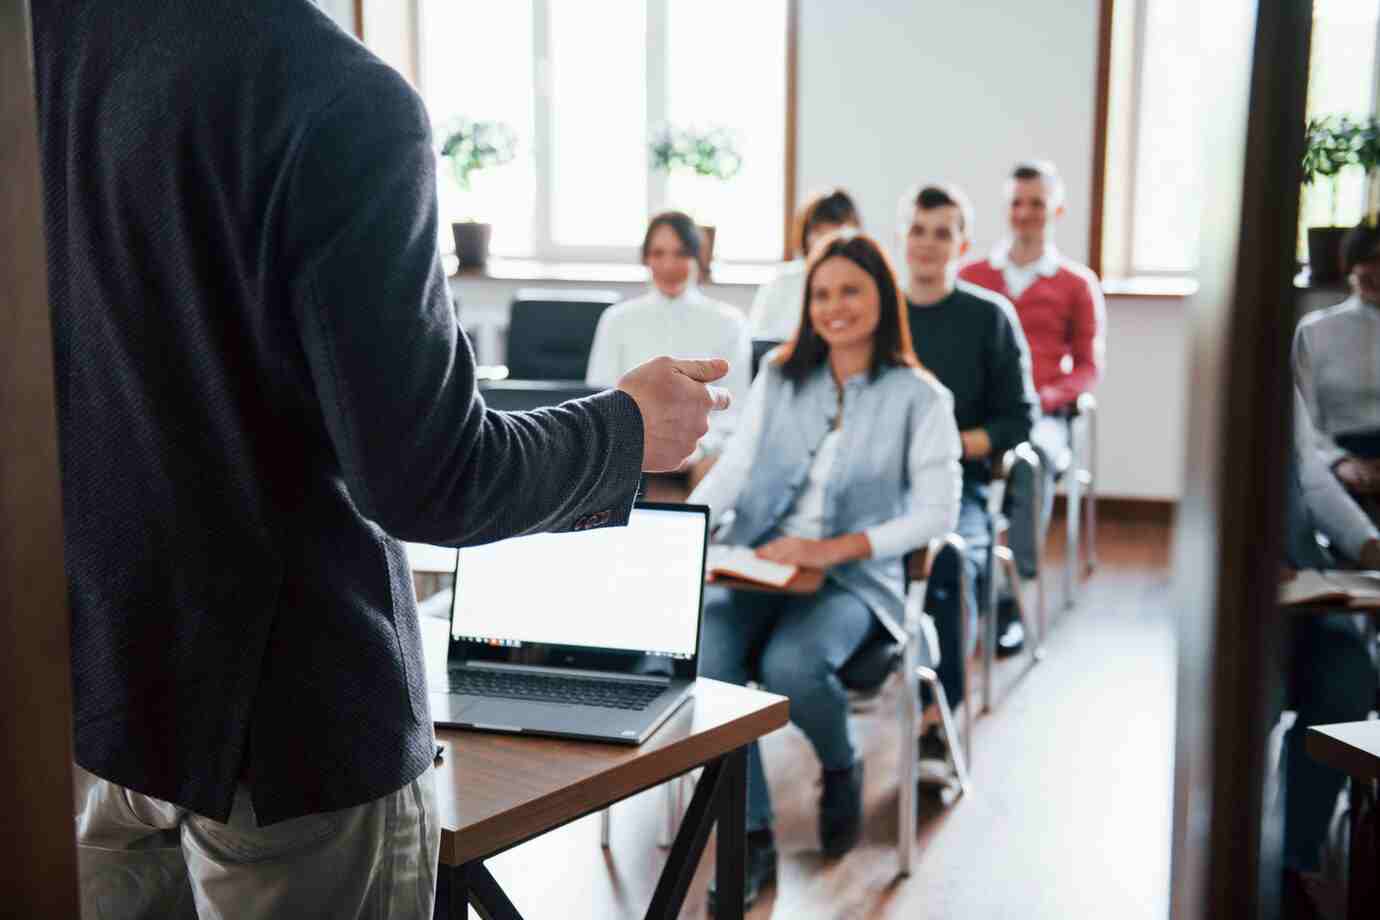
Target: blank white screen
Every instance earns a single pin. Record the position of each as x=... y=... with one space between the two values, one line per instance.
x=635 y=587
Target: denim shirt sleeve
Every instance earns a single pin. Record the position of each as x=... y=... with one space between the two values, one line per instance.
x=935 y=482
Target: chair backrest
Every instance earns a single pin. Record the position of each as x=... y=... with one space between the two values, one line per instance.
x=550 y=332
x=760 y=347
x=523 y=395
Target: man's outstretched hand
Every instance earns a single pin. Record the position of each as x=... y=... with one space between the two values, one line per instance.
x=675 y=400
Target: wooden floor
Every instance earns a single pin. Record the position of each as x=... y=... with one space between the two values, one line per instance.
x=1069 y=816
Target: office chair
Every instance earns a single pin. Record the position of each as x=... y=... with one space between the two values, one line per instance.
x=760 y=347
x=525 y=395
x=550 y=332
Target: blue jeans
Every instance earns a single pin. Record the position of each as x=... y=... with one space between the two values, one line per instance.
x=942 y=600
x=1331 y=679
x=794 y=646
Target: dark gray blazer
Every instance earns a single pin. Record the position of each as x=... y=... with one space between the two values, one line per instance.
x=261 y=386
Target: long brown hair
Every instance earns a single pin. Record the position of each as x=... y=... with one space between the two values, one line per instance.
x=891 y=343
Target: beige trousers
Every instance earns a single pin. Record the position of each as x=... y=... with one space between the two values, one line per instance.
x=141 y=857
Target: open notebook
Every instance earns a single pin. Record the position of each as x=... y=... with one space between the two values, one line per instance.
x=1332 y=588
x=742 y=562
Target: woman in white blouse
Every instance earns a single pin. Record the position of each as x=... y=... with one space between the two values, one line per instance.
x=846 y=458
x=775 y=311
x=675 y=318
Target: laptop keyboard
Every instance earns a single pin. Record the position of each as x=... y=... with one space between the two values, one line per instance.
x=608 y=694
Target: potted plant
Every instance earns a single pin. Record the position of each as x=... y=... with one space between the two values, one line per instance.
x=471 y=146
x=710 y=153
x=1331 y=146
x=1368 y=158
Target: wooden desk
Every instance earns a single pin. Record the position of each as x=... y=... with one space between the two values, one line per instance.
x=1354 y=748
x=497 y=791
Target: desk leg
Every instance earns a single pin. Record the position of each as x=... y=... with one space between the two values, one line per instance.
x=713 y=802
x=731 y=841
x=1363 y=871
x=473 y=884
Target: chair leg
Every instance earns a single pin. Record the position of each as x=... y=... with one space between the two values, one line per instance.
x=958 y=762
x=905 y=797
x=989 y=640
x=605 y=827
x=670 y=793
x=1090 y=506
x=1035 y=643
x=1073 y=530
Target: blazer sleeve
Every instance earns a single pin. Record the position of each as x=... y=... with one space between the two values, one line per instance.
x=392 y=372
x=1087 y=345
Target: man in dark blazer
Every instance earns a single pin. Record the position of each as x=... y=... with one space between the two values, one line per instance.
x=262 y=387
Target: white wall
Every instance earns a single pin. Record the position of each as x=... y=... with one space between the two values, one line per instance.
x=902 y=91
x=899 y=91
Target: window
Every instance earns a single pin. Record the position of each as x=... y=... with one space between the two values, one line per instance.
x=582 y=91
x=1341 y=81
x=1154 y=166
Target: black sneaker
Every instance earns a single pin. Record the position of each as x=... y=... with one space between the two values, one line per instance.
x=761 y=870
x=840 y=810
x=1010 y=630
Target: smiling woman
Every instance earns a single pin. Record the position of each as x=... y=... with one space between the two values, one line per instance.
x=851 y=313
x=845 y=459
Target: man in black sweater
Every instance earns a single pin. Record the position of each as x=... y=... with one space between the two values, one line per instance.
x=261 y=386
x=970 y=339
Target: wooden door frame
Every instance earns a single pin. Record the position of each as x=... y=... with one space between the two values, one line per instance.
x=1226 y=861
x=40 y=875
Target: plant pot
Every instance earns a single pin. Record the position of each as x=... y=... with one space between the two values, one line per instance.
x=471 y=244
x=1325 y=254
x=706 y=250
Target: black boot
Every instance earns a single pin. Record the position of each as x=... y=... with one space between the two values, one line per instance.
x=840 y=810
x=761 y=869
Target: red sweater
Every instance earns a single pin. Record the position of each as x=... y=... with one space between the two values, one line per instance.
x=1064 y=318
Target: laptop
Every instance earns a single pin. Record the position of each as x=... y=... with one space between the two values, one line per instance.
x=593 y=634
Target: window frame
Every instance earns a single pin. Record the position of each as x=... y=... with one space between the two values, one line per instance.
x=545 y=248
x=1114 y=252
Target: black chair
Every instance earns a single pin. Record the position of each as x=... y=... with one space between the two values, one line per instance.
x=524 y=395
x=550 y=332
x=760 y=347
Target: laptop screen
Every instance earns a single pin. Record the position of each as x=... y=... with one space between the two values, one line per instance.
x=635 y=588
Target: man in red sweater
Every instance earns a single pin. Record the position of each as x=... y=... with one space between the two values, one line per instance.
x=1059 y=303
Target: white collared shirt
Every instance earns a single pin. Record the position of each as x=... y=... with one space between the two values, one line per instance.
x=775 y=311
x=1020 y=277
x=688 y=326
